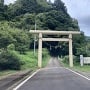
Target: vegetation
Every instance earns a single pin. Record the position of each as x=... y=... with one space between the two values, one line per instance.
x=26 y=61
x=88 y=46
x=9 y=60
x=46 y=57
x=18 y=18
x=30 y=60
x=85 y=68
x=15 y=36
x=77 y=67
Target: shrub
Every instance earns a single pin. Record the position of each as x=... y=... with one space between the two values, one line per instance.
x=9 y=60
x=75 y=59
x=66 y=59
x=11 y=47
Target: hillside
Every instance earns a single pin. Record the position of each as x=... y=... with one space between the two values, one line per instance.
x=88 y=38
x=22 y=16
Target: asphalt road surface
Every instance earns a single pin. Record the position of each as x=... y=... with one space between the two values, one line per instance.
x=54 y=77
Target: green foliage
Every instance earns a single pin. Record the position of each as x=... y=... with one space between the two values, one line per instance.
x=29 y=60
x=79 y=45
x=66 y=59
x=27 y=6
x=24 y=13
x=3 y=11
x=87 y=45
x=9 y=60
x=45 y=57
x=25 y=22
x=22 y=40
x=54 y=18
x=75 y=59
x=11 y=47
x=59 y=5
x=57 y=20
x=19 y=38
x=5 y=37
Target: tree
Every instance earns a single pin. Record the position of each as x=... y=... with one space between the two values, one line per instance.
x=22 y=41
x=23 y=14
x=59 y=5
x=1 y=2
x=3 y=11
x=5 y=37
x=57 y=20
x=9 y=60
x=15 y=36
x=27 y=6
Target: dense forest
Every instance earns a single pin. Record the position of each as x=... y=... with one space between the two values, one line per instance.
x=17 y=19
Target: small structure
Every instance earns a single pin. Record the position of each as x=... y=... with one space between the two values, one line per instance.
x=86 y=60
x=81 y=60
x=48 y=32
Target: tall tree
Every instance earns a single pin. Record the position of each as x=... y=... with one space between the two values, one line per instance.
x=2 y=2
x=28 y=6
x=59 y=5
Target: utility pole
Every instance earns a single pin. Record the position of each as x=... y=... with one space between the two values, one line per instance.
x=35 y=38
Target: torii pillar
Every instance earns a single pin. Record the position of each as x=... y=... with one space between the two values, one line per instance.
x=40 y=51
x=70 y=51
x=48 y=32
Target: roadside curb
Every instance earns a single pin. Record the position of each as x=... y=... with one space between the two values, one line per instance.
x=11 y=80
x=24 y=81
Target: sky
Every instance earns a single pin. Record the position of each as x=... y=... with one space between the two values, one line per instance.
x=79 y=9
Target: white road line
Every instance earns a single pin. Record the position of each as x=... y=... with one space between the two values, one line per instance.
x=79 y=74
x=16 y=88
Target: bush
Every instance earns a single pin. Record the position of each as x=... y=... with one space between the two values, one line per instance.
x=11 y=47
x=9 y=60
x=66 y=59
x=75 y=59
x=22 y=40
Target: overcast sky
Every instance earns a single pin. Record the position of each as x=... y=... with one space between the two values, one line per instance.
x=79 y=9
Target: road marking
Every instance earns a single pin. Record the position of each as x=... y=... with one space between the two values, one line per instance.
x=16 y=88
x=79 y=74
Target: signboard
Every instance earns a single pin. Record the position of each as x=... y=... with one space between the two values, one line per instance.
x=86 y=60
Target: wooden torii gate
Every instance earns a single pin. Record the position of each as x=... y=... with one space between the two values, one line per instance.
x=48 y=32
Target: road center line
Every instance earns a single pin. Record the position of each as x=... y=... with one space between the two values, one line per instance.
x=17 y=87
x=78 y=74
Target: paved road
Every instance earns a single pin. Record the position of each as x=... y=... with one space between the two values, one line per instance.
x=54 y=77
x=6 y=82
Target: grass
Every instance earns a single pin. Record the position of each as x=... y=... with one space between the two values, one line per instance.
x=7 y=72
x=46 y=57
x=85 y=68
x=30 y=61
x=77 y=67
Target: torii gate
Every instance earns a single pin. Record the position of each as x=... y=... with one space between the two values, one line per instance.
x=48 y=32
